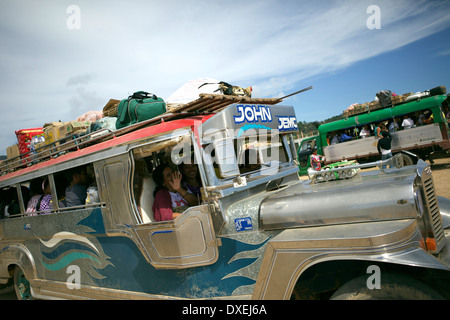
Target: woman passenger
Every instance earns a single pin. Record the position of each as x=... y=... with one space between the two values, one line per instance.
x=171 y=199
x=42 y=202
x=377 y=132
x=191 y=179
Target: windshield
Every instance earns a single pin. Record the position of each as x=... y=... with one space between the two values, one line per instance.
x=250 y=154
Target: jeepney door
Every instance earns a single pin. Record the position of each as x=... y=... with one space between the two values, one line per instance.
x=188 y=241
x=112 y=175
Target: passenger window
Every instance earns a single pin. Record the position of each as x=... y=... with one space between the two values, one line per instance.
x=146 y=185
x=39 y=189
x=10 y=204
x=76 y=187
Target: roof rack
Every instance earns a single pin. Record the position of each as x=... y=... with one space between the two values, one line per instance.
x=217 y=102
x=375 y=105
x=76 y=142
x=206 y=103
x=54 y=149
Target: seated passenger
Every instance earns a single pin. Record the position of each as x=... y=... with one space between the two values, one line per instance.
x=36 y=188
x=377 y=132
x=191 y=179
x=428 y=117
x=335 y=139
x=171 y=199
x=42 y=202
x=76 y=191
x=365 y=133
x=45 y=203
x=345 y=136
x=393 y=126
x=407 y=123
x=92 y=196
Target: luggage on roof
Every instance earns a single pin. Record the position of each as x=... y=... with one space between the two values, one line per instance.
x=139 y=107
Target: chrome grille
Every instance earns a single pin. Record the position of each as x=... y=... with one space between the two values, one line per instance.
x=434 y=215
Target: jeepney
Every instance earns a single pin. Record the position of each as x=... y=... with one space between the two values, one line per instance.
x=426 y=139
x=259 y=232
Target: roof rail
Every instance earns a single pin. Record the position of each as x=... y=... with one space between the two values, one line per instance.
x=76 y=142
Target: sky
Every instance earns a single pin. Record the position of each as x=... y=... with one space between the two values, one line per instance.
x=61 y=58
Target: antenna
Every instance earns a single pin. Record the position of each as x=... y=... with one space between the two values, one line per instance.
x=297 y=92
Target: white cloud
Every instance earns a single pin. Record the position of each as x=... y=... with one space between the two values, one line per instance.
x=50 y=73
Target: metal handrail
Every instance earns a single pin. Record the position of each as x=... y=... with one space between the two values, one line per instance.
x=54 y=149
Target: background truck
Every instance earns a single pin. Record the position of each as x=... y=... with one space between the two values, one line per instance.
x=428 y=138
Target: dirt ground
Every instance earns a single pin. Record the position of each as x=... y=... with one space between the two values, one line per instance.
x=441 y=176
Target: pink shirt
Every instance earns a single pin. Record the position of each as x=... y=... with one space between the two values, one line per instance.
x=164 y=203
x=315 y=162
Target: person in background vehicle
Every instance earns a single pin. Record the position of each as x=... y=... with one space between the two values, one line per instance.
x=345 y=136
x=365 y=133
x=171 y=199
x=378 y=130
x=335 y=139
x=384 y=146
x=316 y=160
x=428 y=117
x=407 y=123
x=393 y=126
x=447 y=113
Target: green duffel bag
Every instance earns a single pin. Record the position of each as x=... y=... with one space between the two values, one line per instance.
x=139 y=107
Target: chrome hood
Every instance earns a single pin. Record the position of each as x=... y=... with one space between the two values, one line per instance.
x=369 y=196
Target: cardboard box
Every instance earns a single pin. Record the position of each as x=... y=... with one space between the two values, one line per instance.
x=12 y=151
x=51 y=131
x=397 y=99
x=72 y=127
x=374 y=105
x=111 y=108
x=44 y=150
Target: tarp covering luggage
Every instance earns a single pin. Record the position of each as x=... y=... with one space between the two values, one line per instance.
x=191 y=90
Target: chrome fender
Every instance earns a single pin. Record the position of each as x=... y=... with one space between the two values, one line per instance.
x=293 y=251
x=17 y=254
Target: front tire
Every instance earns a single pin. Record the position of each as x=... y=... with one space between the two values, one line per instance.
x=407 y=160
x=393 y=287
x=22 y=285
